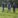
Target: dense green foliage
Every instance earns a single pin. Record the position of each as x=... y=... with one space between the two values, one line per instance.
x=6 y=1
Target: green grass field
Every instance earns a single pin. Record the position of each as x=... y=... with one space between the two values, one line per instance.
x=8 y=15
